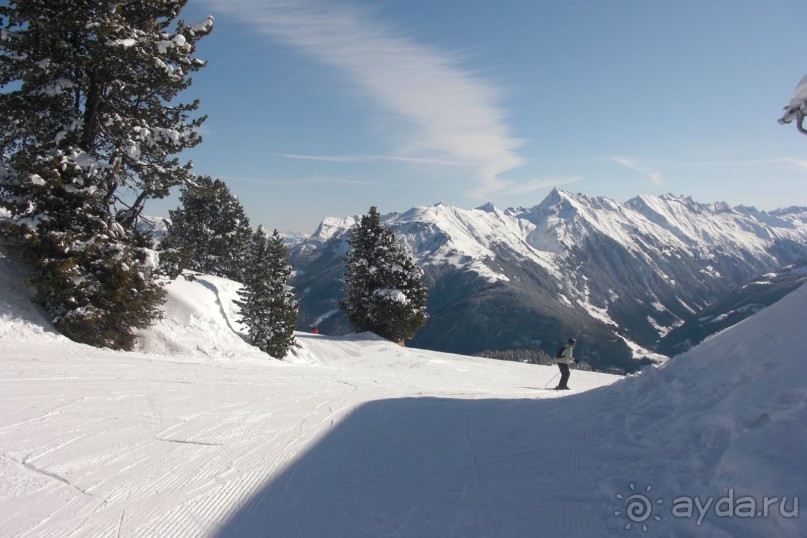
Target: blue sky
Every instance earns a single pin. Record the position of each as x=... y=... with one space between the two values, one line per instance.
x=326 y=107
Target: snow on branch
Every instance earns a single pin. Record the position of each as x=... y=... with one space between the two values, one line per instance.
x=797 y=108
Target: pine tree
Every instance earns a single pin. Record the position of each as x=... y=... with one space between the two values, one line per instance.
x=268 y=306
x=90 y=133
x=211 y=223
x=384 y=291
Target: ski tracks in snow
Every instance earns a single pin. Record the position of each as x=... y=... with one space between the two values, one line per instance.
x=148 y=446
x=123 y=457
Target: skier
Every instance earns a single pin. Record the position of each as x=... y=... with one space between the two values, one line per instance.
x=565 y=358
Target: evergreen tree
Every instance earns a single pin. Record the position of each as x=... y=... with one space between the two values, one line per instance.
x=173 y=260
x=268 y=306
x=211 y=223
x=384 y=291
x=90 y=133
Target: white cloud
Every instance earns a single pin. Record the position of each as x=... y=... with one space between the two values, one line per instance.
x=322 y=180
x=655 y=177
x=456 y=115
x=369 y=158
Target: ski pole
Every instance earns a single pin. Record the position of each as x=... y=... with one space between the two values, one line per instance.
x=553 y=377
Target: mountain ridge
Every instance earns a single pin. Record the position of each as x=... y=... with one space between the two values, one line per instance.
x=618 y=275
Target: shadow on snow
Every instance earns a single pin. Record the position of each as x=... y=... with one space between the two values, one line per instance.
x=439 y=467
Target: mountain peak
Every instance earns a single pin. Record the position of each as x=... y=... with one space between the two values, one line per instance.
x=554 y=200
x=556 y=195
x=488 y=208
x=331 y=226
x=566 y=204
x=692 y=205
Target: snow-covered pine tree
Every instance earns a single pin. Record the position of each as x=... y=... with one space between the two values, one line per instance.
x=173 y=260
x=384 y=290
x=268 y=305
x=90 y=132
x=212 y=224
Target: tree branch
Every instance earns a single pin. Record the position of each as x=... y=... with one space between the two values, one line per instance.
x=800 y=122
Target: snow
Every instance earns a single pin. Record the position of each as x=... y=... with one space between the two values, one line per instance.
x=199 y=434
x=393 y=295
x=470 y=238
x=203 y=27
x=797 y=103
x=331 y=226
x=56 y=87
x=126 y=43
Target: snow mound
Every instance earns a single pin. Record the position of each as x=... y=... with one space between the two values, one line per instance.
x=199 y=320
x=729 y=415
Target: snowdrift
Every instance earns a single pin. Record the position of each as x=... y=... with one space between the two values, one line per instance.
x=199 y=434
x=200 y=320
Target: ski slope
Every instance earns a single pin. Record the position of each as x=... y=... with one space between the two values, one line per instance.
x=199 y=434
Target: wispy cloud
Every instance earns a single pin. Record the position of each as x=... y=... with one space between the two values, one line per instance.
x=456 y=115
x=779 y=162
x=369 y=158
x=649 y=168
x=655 y=177
x=298 y=181
x=798 y=163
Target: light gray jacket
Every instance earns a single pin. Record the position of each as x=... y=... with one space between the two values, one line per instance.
x=566 y=357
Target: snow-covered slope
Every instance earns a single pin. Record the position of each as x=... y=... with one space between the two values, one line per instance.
x=588 y=265
x=205 y=436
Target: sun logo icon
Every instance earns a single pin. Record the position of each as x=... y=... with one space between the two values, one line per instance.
x=638 y=507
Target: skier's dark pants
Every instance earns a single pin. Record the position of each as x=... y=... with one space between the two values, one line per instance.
x=564 y=375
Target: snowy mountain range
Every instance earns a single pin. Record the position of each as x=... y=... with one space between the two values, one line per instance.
x=616 y=276
x=743 y=302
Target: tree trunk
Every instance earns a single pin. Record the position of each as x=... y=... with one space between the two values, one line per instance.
x=91 y=112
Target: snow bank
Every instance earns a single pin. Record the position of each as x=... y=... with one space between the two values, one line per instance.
x=729 y=415
x=200 y=320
